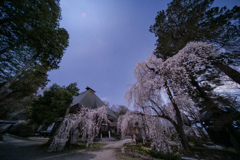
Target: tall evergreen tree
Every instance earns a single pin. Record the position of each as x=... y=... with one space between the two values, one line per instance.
x=52 y=105
x=195 y=20
x=31 y=44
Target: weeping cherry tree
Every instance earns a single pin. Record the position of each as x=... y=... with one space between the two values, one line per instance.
x=81 y=123
x=166 y=86
x=147 y=127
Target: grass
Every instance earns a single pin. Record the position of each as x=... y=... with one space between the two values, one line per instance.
x=214 y=154
x=146 y=151
x=138 y=148
x=126 y=157
x=165 y=156
x=198 y=152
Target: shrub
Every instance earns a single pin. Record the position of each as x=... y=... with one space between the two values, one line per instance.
x=164 y=156
x=22 y=130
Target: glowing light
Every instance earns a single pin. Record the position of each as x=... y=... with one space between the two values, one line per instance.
x=84 y=15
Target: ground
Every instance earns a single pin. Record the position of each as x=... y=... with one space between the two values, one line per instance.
x=26 y=149
x=15 y=148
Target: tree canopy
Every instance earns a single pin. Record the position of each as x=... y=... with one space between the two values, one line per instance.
x=196 y=47
x=195 y=20
x=119 y=109
x=31 y=44
x=32 y=27
x=52 y=105
x=170 y=87
x=84 y=123
x=146 y=127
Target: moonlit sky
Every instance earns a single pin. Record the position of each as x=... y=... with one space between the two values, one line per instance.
x=107 y=39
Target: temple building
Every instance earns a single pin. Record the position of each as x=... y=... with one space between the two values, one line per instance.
x=90 y=100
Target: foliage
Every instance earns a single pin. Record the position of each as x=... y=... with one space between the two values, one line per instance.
x=195 y=20
x=202 y=152
x=85 y=123
x=176 y=83
x=31 y=44
x=22 y=130
x=52 y=105
x=32 y=28
x=119 y=109
x=107 y=103
x=146 y=127
x=130 y=122
x=167 y=87
x=145 y=150
x=161 y=155
x=138 y=148
x=13 y=105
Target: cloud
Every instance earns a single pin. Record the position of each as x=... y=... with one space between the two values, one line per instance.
x=84 y=15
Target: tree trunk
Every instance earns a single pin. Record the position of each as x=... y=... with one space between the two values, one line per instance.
x=232 y=73
x=179 y=125
x=183 y=138
x=207 y=101
x=56 y=130
x=4 y=91
x=180 y=130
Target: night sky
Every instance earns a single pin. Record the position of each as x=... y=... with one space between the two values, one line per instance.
x=107 y=39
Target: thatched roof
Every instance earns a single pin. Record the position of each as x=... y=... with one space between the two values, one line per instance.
x=89 y=100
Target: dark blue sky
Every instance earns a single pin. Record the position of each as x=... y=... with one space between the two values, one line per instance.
x=107 y=39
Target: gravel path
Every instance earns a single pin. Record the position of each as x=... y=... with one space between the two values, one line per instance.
x=109 y=151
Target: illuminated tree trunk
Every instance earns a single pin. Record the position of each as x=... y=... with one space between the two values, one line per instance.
x=4 y=90
x=179 y=125
x=232 y=73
